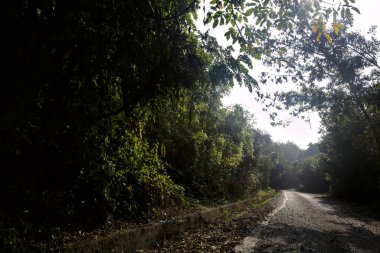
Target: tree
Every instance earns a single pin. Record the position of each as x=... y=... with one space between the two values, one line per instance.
x=250 y=23
x=78 y=81
x=267 y=156
x=349 y=66
x=102 y=101
x=340 y=81
x=284 y=175
x=350 y=155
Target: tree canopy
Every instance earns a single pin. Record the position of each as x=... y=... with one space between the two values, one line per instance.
x=113 y=108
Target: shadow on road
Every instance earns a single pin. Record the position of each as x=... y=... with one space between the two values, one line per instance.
x=283 y=237
x=362 y=212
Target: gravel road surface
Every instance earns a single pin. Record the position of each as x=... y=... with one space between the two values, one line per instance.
x=312 y=223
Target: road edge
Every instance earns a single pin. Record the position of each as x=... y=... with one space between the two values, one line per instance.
x=249 y=242
x=148 y=236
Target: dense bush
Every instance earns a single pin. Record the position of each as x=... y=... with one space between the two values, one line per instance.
x=109 y=110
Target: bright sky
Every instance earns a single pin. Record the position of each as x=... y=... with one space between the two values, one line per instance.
x=298 y=131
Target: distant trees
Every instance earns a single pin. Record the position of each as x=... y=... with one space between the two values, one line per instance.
x=341 y=82
x=267 y=156
x=300 y=169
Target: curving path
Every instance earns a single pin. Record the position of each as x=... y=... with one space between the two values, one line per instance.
x=312 y=223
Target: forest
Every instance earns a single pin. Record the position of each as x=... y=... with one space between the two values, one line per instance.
x=114 y=108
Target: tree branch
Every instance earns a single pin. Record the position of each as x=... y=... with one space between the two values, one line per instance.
x=371 y=60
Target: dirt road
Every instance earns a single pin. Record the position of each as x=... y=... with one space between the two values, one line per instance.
x=312 y=223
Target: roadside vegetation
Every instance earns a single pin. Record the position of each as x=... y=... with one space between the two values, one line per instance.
x=346 y=162
x=112 y=110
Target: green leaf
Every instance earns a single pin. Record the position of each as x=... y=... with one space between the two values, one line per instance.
x=257 y=56
x=258 y=21
x=247 y=32
x=243 y=48
x=227 y=35
x=269 y=24
x=355 y=9
x=246 y=60
x=249 y=11
x=215 y=24
x=221 y=21
x=213 y=2
x=228 y=18
x=348 y=13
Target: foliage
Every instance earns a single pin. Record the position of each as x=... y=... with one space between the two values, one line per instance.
x=351 y=156
x=341 y=83
x=73 y=88
x=300 y=169
x=251 y=23
x=283 y=176
x=209 y=149
x=114 y=108
x=266 y=153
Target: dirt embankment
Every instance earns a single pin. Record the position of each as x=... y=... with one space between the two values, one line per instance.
x=214 y=230
x=223 y=234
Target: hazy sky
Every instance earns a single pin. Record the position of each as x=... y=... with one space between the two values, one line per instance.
x=299 y=132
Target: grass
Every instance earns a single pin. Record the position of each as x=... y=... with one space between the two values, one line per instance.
x=257 y=204
x=262 y=203
x=264 y=192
